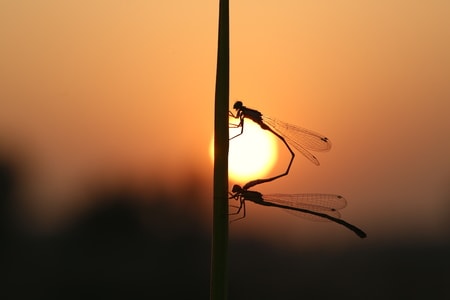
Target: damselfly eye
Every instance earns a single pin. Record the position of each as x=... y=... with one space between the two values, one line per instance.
x=236 y=188
x=237 y=105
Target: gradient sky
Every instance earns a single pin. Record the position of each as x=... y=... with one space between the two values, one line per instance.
x=89 y=88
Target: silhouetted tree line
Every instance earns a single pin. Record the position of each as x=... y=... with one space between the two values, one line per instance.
x=110 y=254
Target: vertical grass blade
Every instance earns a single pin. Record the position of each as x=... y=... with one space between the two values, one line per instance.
x=219 y=280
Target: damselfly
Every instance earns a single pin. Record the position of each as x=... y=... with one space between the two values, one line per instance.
x=311 y=206
x=300 y=138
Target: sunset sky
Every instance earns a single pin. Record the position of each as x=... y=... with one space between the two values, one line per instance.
x=92 y=89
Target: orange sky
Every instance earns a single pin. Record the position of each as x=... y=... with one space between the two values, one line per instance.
x=130 y=87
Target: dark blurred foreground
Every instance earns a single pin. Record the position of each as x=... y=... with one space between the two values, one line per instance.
x=110 y=254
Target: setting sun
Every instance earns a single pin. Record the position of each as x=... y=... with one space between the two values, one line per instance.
x=251 y=155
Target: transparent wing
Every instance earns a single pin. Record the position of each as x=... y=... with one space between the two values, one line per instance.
x=323 y=203
x=299 y=137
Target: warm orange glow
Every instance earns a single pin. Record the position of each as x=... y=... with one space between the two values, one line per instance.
x=251 y=155
x=90 y=91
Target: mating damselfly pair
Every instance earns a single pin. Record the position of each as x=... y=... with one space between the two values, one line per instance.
x=317 y=206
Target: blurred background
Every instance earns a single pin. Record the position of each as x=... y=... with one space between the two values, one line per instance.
x=106 y=116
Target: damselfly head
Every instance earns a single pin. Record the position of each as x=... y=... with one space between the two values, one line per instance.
x=236 y=189
x=238 y=105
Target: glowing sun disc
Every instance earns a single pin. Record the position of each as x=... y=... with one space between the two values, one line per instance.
x=251 y=155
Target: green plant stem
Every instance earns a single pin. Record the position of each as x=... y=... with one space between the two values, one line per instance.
x=219 y=280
